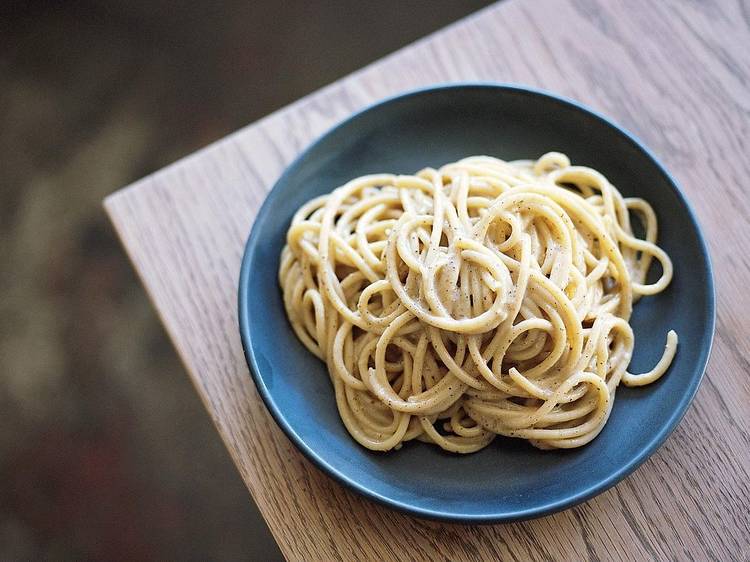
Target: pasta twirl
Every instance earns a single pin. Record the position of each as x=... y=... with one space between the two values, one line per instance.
x=484 y=298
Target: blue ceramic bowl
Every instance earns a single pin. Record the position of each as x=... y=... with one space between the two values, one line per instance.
x=509 y=480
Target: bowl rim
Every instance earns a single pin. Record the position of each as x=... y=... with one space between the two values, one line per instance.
x=497 y=516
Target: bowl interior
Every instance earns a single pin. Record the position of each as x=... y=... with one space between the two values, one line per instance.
x=509 y=479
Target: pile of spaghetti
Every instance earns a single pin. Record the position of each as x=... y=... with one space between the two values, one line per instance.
x=484 y=298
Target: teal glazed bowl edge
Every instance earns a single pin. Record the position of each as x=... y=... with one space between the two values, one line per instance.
x=509 y=480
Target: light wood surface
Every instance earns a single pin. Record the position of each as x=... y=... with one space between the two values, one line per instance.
x=677 y=74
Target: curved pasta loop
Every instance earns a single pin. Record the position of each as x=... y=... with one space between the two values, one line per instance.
x=483 y=298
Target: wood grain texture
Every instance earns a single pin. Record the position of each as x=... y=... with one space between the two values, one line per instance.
x=677 y=74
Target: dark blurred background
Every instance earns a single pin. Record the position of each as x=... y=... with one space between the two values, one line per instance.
x=105 y=450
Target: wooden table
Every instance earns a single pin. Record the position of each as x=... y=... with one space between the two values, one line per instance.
x=675 y=73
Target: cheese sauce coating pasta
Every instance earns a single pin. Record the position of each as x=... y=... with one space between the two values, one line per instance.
x=484 y=298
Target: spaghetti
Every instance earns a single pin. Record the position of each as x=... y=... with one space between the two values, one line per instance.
x=484 y=298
